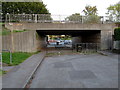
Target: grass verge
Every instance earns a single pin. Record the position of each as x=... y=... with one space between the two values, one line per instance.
x=17 y=57
x=2 y=72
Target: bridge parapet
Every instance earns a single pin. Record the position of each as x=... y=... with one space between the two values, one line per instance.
x=59 y=26
x=48 y=18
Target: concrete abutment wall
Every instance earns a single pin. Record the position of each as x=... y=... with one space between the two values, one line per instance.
x=21 y=42
x=106 y=39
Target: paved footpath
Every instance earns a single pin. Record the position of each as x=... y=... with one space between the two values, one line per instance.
x=18 y=76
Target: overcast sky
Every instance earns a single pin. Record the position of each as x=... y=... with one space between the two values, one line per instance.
x=68 y=7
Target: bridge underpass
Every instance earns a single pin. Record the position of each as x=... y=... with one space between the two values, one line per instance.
x=78 y=36
x=81 y=33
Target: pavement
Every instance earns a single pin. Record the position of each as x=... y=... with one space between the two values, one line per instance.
x=110 y=54
x=7 y=68
x=18 y=75
x=77 y=71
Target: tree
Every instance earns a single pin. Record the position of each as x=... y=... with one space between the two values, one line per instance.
x=74 y=17
x=23 y=7
x=90 y=10
x=114 y=12
x=91 y=15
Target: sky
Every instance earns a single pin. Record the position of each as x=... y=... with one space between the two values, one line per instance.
x=68 y=7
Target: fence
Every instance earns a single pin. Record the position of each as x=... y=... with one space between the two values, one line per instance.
x=40 y=18
x=87 y=47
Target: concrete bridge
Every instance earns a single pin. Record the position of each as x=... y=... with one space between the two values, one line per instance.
x=81 y=33
x=40 y=25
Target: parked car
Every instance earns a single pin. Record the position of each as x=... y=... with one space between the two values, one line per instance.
x=61 y=43
x=67 y=41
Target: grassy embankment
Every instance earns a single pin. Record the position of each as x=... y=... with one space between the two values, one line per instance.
x=17 y=57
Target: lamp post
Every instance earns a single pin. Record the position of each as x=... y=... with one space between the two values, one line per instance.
x=12 y=38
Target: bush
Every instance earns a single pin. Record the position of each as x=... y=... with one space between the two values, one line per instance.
x=117 y=33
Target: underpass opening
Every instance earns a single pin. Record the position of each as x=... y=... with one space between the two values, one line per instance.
x=77 y=37
x=54 y=40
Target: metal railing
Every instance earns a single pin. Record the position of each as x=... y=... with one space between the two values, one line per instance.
x=48 y=18
x=87 y=47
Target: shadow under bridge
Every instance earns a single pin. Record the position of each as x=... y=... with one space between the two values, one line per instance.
x=78 y=37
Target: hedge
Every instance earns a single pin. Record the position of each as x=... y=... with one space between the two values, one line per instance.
x=117 y=33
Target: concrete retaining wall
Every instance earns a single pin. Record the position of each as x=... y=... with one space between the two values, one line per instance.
x=106 y=39
x=21 y=42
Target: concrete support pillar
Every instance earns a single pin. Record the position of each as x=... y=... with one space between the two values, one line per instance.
x=106 y=39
